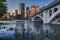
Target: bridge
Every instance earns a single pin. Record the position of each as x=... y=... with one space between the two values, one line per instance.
x=49 y=13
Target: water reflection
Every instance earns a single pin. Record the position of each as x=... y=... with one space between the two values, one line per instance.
x=14 y=26
x=26 y=26
x=28 y=30
x=7 y=32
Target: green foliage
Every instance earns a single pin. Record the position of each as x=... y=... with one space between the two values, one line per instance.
x=1 y=22
x=3 y=7
x=4 y=19
x=52 y=35
x=55 y=35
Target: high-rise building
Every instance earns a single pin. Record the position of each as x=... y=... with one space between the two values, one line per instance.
x=27 y=8
x=14 y=13
x=22 y=9
x=33 y=10
x=37 y=9
x=28 y=12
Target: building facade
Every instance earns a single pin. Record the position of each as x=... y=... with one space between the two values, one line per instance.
x=28 y=12
x=14 y=12
x=33 y=10
x=37 y=9
x=22 y=9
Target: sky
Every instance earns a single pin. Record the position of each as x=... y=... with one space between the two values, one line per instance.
x=14 y=4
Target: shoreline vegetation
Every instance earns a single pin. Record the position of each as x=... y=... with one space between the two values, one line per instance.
x=5 y=19
x=1 y=23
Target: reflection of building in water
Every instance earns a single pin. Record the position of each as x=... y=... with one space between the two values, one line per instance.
x=47 y=27
x=20 y=28
x=14 y=26
x=30 y=27
x=23 y=27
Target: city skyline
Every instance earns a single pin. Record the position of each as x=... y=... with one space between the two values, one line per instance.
x=13 y=4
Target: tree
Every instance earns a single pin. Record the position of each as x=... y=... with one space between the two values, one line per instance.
x=3 y=7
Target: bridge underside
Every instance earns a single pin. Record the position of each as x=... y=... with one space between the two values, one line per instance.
x=56 y=19
x=38 y=19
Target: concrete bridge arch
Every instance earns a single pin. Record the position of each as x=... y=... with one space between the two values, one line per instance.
x=53 y=16
x=37 y=18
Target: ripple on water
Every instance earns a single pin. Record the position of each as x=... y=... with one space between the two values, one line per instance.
x=7 y=35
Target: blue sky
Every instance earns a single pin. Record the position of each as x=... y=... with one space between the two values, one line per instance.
x=14 y=4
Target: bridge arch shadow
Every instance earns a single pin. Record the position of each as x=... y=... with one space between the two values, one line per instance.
x=38 y=19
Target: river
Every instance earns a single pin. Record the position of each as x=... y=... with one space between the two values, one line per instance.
x=28 y=30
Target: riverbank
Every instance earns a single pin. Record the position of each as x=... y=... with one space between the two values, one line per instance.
x=14 y=21
x=5 y=22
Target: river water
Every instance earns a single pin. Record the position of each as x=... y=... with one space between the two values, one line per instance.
x=28 y=30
